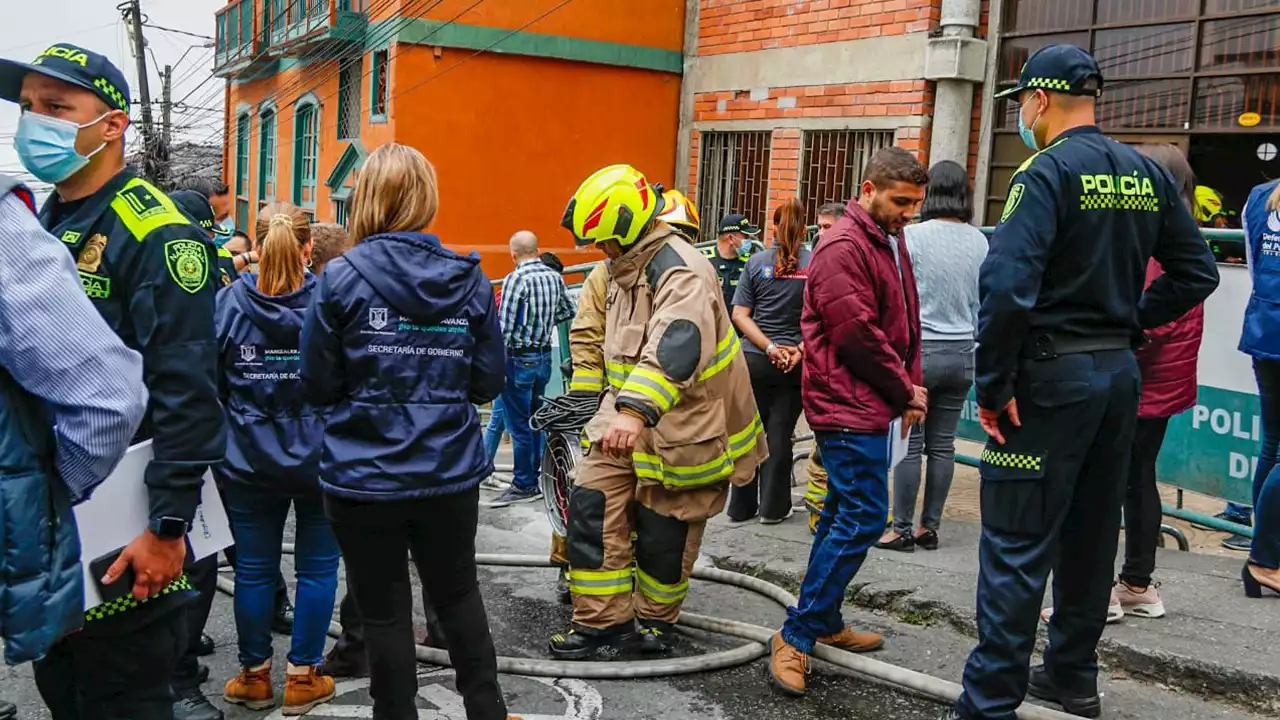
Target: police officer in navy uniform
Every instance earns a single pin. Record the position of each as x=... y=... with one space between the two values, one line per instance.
x=1057 y=384
x=734 y=244
x=151 y=273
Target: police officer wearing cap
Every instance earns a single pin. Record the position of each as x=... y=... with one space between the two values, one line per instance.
x=729 y=255
x=1057 y=384
x=151 y=273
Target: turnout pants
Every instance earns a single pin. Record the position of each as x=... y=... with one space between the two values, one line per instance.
x=1051 y=498
x=613 y=580
x=815 y=495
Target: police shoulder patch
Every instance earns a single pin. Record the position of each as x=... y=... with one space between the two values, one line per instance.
x=188 y=263
x=1011 y=205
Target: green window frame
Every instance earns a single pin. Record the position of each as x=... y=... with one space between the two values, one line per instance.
x=306 y=152
x=244 y=125
x=246 y=24
x=379 y=86
x=350 y=77
x=266 y=156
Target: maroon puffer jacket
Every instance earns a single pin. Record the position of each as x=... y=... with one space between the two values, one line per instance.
x=861 y=325
x=1168 y=361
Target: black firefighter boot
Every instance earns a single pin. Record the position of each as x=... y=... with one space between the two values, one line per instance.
x=654 y=636
x=582 y=642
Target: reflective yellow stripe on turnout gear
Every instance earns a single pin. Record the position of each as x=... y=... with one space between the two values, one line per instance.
x=600 y=582
x=588 y=380
x=652 y=385
x=714 y=471
x=661 y=592
x=725 y=350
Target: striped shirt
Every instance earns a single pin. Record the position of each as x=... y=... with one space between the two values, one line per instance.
x=534 y=299
x=57 y=347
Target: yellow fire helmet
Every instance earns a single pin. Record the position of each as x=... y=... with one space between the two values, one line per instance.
x=615 y=203
x=679 y=213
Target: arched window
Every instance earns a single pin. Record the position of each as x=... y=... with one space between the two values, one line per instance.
x=306 y=152
x=267 y=139
x=244 y=123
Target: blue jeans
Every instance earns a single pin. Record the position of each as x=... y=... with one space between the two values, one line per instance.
x=259 y=518
x=852 y=520
x=527 y=378
x=1243 y=514
x=493 y=433
x=1266 y=481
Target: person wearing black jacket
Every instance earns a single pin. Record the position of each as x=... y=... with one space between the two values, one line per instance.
x=151 y=273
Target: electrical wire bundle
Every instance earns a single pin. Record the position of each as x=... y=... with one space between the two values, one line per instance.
x=566 y=413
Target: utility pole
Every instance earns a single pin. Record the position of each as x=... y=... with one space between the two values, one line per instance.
x=132 y=10
x=166 y=105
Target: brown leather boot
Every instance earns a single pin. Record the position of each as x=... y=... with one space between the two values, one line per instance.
x=304 y=689
x=851 y=640
x=251 y=688
x=787 y=666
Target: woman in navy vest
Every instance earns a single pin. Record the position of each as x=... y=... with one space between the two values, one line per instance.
x=273 y=456
x=1261 y=339
x=400 y=343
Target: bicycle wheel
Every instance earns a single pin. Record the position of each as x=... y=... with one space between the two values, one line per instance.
x=559 y=469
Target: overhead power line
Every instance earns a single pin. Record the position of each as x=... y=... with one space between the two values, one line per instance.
x=153 y=26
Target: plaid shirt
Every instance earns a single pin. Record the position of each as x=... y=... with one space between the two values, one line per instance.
x=534 y=299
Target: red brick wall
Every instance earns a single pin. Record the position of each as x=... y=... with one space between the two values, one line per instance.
x=729 y=26
x=903 y=97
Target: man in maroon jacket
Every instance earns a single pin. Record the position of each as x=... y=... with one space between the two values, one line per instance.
x=861 y=326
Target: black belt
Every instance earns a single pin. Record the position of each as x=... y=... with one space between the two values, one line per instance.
x=1045 y=346
x=529 y=351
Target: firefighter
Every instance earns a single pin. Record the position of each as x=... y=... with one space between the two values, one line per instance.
x=151 y=273
x=677 y=423
x=586 y=342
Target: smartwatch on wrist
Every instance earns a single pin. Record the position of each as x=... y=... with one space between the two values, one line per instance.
x=168 y=528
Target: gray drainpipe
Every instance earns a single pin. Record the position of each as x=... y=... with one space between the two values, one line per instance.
x=956 y=61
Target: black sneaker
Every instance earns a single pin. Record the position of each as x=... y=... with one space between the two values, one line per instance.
x=581 y=642
x=514 y=496
x=1239 y=543
x=1043 y=687
x=8 y=711
x=653 y=637
x=205 y=648
x=282 y=621
x=1247 y=522
x=193 y=705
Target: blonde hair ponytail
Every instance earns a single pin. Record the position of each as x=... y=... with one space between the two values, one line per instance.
x=283 y=230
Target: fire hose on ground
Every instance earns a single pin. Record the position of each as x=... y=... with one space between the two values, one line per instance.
x=865 y=667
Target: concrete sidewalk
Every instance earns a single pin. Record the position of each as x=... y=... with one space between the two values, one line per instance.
x=1214 y=642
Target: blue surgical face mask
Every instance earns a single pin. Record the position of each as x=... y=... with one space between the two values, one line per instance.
x=1028 y=134
x=744 y=248
x=47 y=146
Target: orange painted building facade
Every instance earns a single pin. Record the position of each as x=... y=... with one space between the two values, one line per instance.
x=513 y=102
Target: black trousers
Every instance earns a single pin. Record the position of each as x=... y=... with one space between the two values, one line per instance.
x=778 y=398
x=351 y=641
x=1050 y=499
x=1142 y=513
x=101 y=676
x=203 y=575
x=376 y=538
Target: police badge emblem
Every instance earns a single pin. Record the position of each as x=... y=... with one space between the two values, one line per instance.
x=91 y=254
x=188 y=263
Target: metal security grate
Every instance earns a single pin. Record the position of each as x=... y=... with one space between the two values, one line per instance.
x=349 y=97
x=733 y=177
x=832 y=163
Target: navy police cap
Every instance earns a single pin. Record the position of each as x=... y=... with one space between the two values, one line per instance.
x=1059 y=68
x=71 y=64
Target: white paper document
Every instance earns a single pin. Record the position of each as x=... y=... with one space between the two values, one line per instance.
x=118 y=512
x=897 y=443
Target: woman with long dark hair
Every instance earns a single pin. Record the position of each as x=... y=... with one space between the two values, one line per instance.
x=400 y=344
x=946 y=253
x=272 y=463
x=766 y=310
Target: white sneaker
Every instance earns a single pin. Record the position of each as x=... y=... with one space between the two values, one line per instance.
x=496 y=481
x=1115 y=613
x=1145 y=604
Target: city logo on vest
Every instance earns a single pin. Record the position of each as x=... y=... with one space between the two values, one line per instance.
x=1273 y=221
x=248 y=352
x=377 y=318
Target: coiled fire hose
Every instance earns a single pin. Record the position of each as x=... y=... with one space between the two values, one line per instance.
x=865 y=667
x=565 y=413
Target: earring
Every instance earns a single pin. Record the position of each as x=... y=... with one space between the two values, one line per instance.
x=306 y=263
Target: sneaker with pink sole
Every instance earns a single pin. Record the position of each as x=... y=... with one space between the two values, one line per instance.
x=1115 y=612
x=1146 y=604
